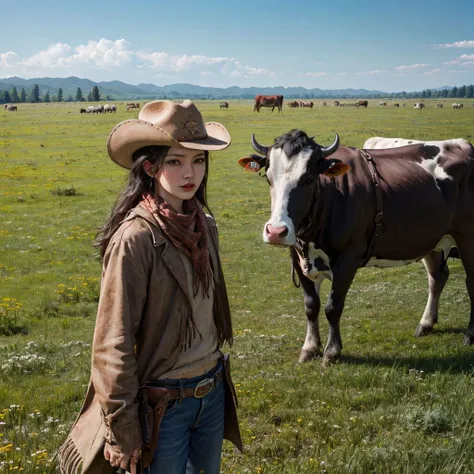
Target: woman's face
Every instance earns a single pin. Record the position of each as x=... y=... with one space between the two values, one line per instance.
x=180 y=175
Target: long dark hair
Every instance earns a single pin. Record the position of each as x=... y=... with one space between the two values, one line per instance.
x=139 y=182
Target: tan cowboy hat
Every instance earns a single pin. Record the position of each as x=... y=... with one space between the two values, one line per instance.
x=168 y=123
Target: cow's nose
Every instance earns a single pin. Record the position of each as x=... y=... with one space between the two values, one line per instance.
x=276 y=234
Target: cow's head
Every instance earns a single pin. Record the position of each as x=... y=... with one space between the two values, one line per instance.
x=292 y=165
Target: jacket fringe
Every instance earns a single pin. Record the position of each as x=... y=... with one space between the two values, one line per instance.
x=70 y=459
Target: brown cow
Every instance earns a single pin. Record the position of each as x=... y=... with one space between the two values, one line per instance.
x=363 y=103
x=340 y=209
x=224 y=105
x=268 y=101
x=293 y=103
x=306 y=103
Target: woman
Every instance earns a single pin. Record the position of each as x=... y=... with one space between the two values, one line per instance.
x=163 y=312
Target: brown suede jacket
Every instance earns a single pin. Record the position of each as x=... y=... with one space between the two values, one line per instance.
x=143 y=290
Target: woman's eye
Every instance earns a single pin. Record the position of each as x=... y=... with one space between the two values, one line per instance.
x=172 y=162
x=199 y=161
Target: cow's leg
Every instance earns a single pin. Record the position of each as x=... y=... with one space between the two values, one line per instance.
x=343 y=273
x=438 y=273
x=312 y=303
x=466 y=252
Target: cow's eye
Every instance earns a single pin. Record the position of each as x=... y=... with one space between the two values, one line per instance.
x=308 y=181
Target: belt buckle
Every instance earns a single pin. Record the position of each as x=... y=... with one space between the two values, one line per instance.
x=203 y=388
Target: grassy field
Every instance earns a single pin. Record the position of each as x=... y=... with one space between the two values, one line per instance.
x=394 y=404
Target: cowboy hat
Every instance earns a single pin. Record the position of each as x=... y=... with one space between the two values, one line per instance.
x=163 y=122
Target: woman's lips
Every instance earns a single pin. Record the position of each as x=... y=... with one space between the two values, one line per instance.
x=188 y=187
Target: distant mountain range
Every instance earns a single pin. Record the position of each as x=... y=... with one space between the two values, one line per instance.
x=117 y=90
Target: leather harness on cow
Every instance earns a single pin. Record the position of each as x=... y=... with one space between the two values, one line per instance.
x=378 y=210
x=298 y=248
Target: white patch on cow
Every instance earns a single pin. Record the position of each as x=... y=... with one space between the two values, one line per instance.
x=433 y=168
x=284 y=174
x=380 y=143
x=446 y=243
x=384 y=263
x=310 y=269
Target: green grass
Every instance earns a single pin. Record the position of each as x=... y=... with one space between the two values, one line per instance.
x=394 y=404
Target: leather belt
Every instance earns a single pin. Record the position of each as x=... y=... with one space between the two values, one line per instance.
x=200 y=390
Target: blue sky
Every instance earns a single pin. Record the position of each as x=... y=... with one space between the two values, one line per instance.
x=388 y=46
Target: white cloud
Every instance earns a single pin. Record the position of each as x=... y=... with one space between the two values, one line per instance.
x=454 y=61
x=212 y=65
x=9 y=59
x=371 y=73
x=314 y=74
x=456 y=44
x=99 y=54
x=97 y=58
x=413 y=67
x=463 y=60
x=433 y=71
x=103 y=53
x=54 y=56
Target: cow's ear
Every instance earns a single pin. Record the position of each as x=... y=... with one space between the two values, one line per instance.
x=252 y=162
x=332 y=168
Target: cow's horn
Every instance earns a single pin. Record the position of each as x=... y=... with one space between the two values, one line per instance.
x=329 y=150
x=263 y=150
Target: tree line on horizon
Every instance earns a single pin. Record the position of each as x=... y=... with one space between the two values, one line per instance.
x=35 y=96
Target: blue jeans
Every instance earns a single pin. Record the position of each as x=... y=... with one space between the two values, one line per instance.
x=191 y=432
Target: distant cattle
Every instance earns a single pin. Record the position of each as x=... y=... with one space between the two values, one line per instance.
x=306 y=103
x=382 y=104
x=95 y=109
x=439 y=106
x=419 y=105
x=396 y=105
x=11 y=108
x=457 y=106
x=363 y=103
x=293 y=103
x=224 y=105
x=323 y=103
x=268 y=101
x=336 y=103
x=83 y=111
x=110 y=108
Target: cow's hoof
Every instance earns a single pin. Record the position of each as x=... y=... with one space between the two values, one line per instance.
x=330 y=357
x=306 y=356
x=423 y=330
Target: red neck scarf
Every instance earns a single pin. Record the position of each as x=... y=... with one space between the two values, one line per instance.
x=187 y=232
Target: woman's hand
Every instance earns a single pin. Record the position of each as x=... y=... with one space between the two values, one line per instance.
x=119 y=459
